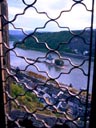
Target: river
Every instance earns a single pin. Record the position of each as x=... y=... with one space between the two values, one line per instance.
x=65 y=75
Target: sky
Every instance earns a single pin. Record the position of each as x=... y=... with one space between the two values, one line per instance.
x=77 y=18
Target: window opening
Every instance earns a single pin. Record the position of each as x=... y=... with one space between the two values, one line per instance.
x=48 y=62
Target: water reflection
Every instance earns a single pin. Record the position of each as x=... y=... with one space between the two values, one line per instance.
x=69 y=74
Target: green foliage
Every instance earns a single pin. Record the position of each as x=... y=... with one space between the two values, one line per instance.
x=30 y=100
x=25 y=98
x=63 y=41
x=54 y=40
x=16 y=90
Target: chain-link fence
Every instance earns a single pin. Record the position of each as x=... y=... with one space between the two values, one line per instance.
x=47 y=63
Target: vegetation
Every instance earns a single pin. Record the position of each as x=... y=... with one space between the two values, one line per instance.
x=30 y=100
x=62 y=41
x=24 y=98
x=54 y=40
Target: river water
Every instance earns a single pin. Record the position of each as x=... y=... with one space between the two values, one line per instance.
x=68 y=75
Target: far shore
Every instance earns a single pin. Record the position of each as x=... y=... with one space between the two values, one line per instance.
x=77 y=56
x=68 y=54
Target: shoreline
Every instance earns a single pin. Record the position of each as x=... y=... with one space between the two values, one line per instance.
x=77 y=56
x=44 y=79
x=68 y=54
x=55 y=95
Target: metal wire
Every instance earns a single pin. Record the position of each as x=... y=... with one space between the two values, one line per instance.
x=48 y=92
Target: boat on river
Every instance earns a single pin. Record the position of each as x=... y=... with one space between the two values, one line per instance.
x=59 y=63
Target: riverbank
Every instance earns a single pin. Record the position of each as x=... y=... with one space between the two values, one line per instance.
x=68 y=54
x=60 y=99
x=62 y=86
x=38 y=78
x=77 y=56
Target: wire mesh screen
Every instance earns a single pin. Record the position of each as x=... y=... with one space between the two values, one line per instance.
x=49 y=70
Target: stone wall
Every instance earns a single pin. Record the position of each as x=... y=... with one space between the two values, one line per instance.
x=5 y=35
x=4 y=40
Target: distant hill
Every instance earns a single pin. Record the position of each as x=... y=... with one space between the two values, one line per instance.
x=61 y=41
x=15 y=35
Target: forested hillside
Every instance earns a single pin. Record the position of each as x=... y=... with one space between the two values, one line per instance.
x=61 y=41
